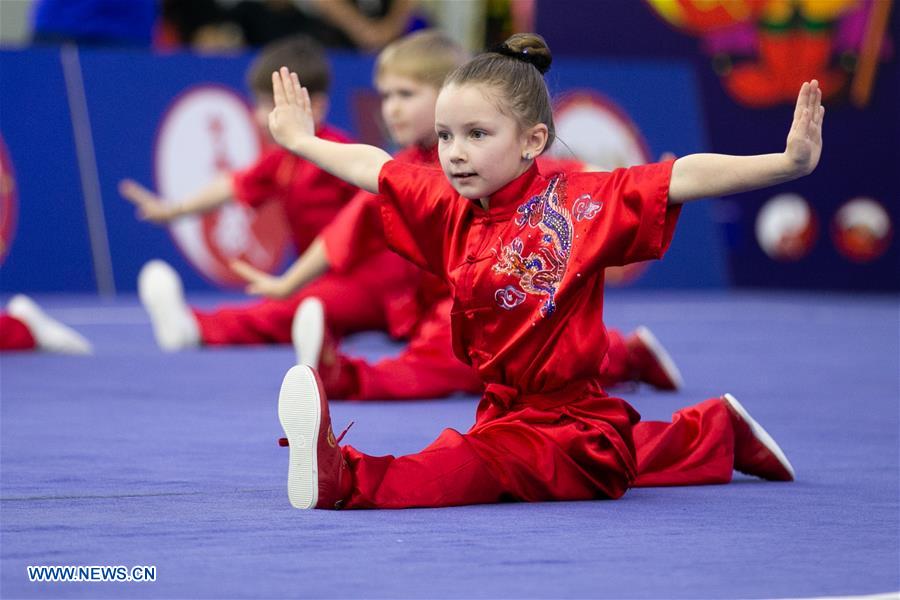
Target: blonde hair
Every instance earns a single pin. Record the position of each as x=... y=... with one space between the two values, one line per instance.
x=426 y=56
x=515 y=70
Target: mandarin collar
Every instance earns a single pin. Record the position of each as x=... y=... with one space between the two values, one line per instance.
x=512 y=194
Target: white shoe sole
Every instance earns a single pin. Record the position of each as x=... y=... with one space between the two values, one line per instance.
x=162 y=294
x=308 y=332
x=665 y=360
x=761 y=434
x=300 y=413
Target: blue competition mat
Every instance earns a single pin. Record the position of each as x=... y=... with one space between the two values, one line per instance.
x=135 y=457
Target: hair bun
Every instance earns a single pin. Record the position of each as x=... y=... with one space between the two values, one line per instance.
x=527 y=47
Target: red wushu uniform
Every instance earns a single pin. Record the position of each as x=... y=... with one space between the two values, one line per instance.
x=311 y=198
x=14 y=334
x=527 y=282
x=420 y=311
x=427 y=368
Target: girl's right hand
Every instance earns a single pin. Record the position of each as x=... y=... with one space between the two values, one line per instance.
x=291 y=120
x=260 y=283
x=150 y=207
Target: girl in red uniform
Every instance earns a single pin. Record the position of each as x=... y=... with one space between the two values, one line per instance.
x=408 y=76
x=524 y=256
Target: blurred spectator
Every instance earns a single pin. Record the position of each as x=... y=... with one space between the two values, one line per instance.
x=365 y=24
x=94 y=22
x=203 y=25
x=498 y=22
x=210 y=24
x=264 y=21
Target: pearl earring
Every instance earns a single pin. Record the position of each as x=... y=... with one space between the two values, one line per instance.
x=527 y=156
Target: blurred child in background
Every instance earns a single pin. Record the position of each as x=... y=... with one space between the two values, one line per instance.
x=310 y=198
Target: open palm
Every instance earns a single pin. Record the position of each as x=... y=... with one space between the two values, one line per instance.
x=804 y=141
x=292 y=119
x=150 y=207
x=260 y=283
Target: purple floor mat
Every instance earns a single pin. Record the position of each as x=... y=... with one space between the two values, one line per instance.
x=135 y=457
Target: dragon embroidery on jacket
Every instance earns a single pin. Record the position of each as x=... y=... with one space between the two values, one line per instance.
x=541 y=272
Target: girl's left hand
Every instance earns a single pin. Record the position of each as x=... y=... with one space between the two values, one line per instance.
x=291 y=120
x=804 y=141
x=150 y=207
x=260 y=283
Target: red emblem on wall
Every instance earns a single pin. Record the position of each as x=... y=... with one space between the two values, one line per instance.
x=862 y=230
x=8 y=202
x=787 y=227
x=207 y=131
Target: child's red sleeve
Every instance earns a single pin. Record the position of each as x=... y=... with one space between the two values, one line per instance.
x=262 y=181
x=623 y=216
x=355 y=234
x=417 y=204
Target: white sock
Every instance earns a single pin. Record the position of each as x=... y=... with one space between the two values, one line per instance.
x=48 y=333
x=162 y=295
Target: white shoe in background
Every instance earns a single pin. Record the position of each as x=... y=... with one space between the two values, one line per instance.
x=650 y=362
x=308 y=332
x=49 y=334
x=162 y=295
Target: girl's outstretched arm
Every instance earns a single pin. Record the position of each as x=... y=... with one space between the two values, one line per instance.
x=291 y=124
x=703 y=175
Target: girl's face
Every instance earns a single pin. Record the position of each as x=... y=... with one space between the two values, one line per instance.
x=480 y=147
x=407 y=107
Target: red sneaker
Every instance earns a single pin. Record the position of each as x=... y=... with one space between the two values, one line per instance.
x=315 y=347
x=650 y=362
x=755 y=452
x=317 y=473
